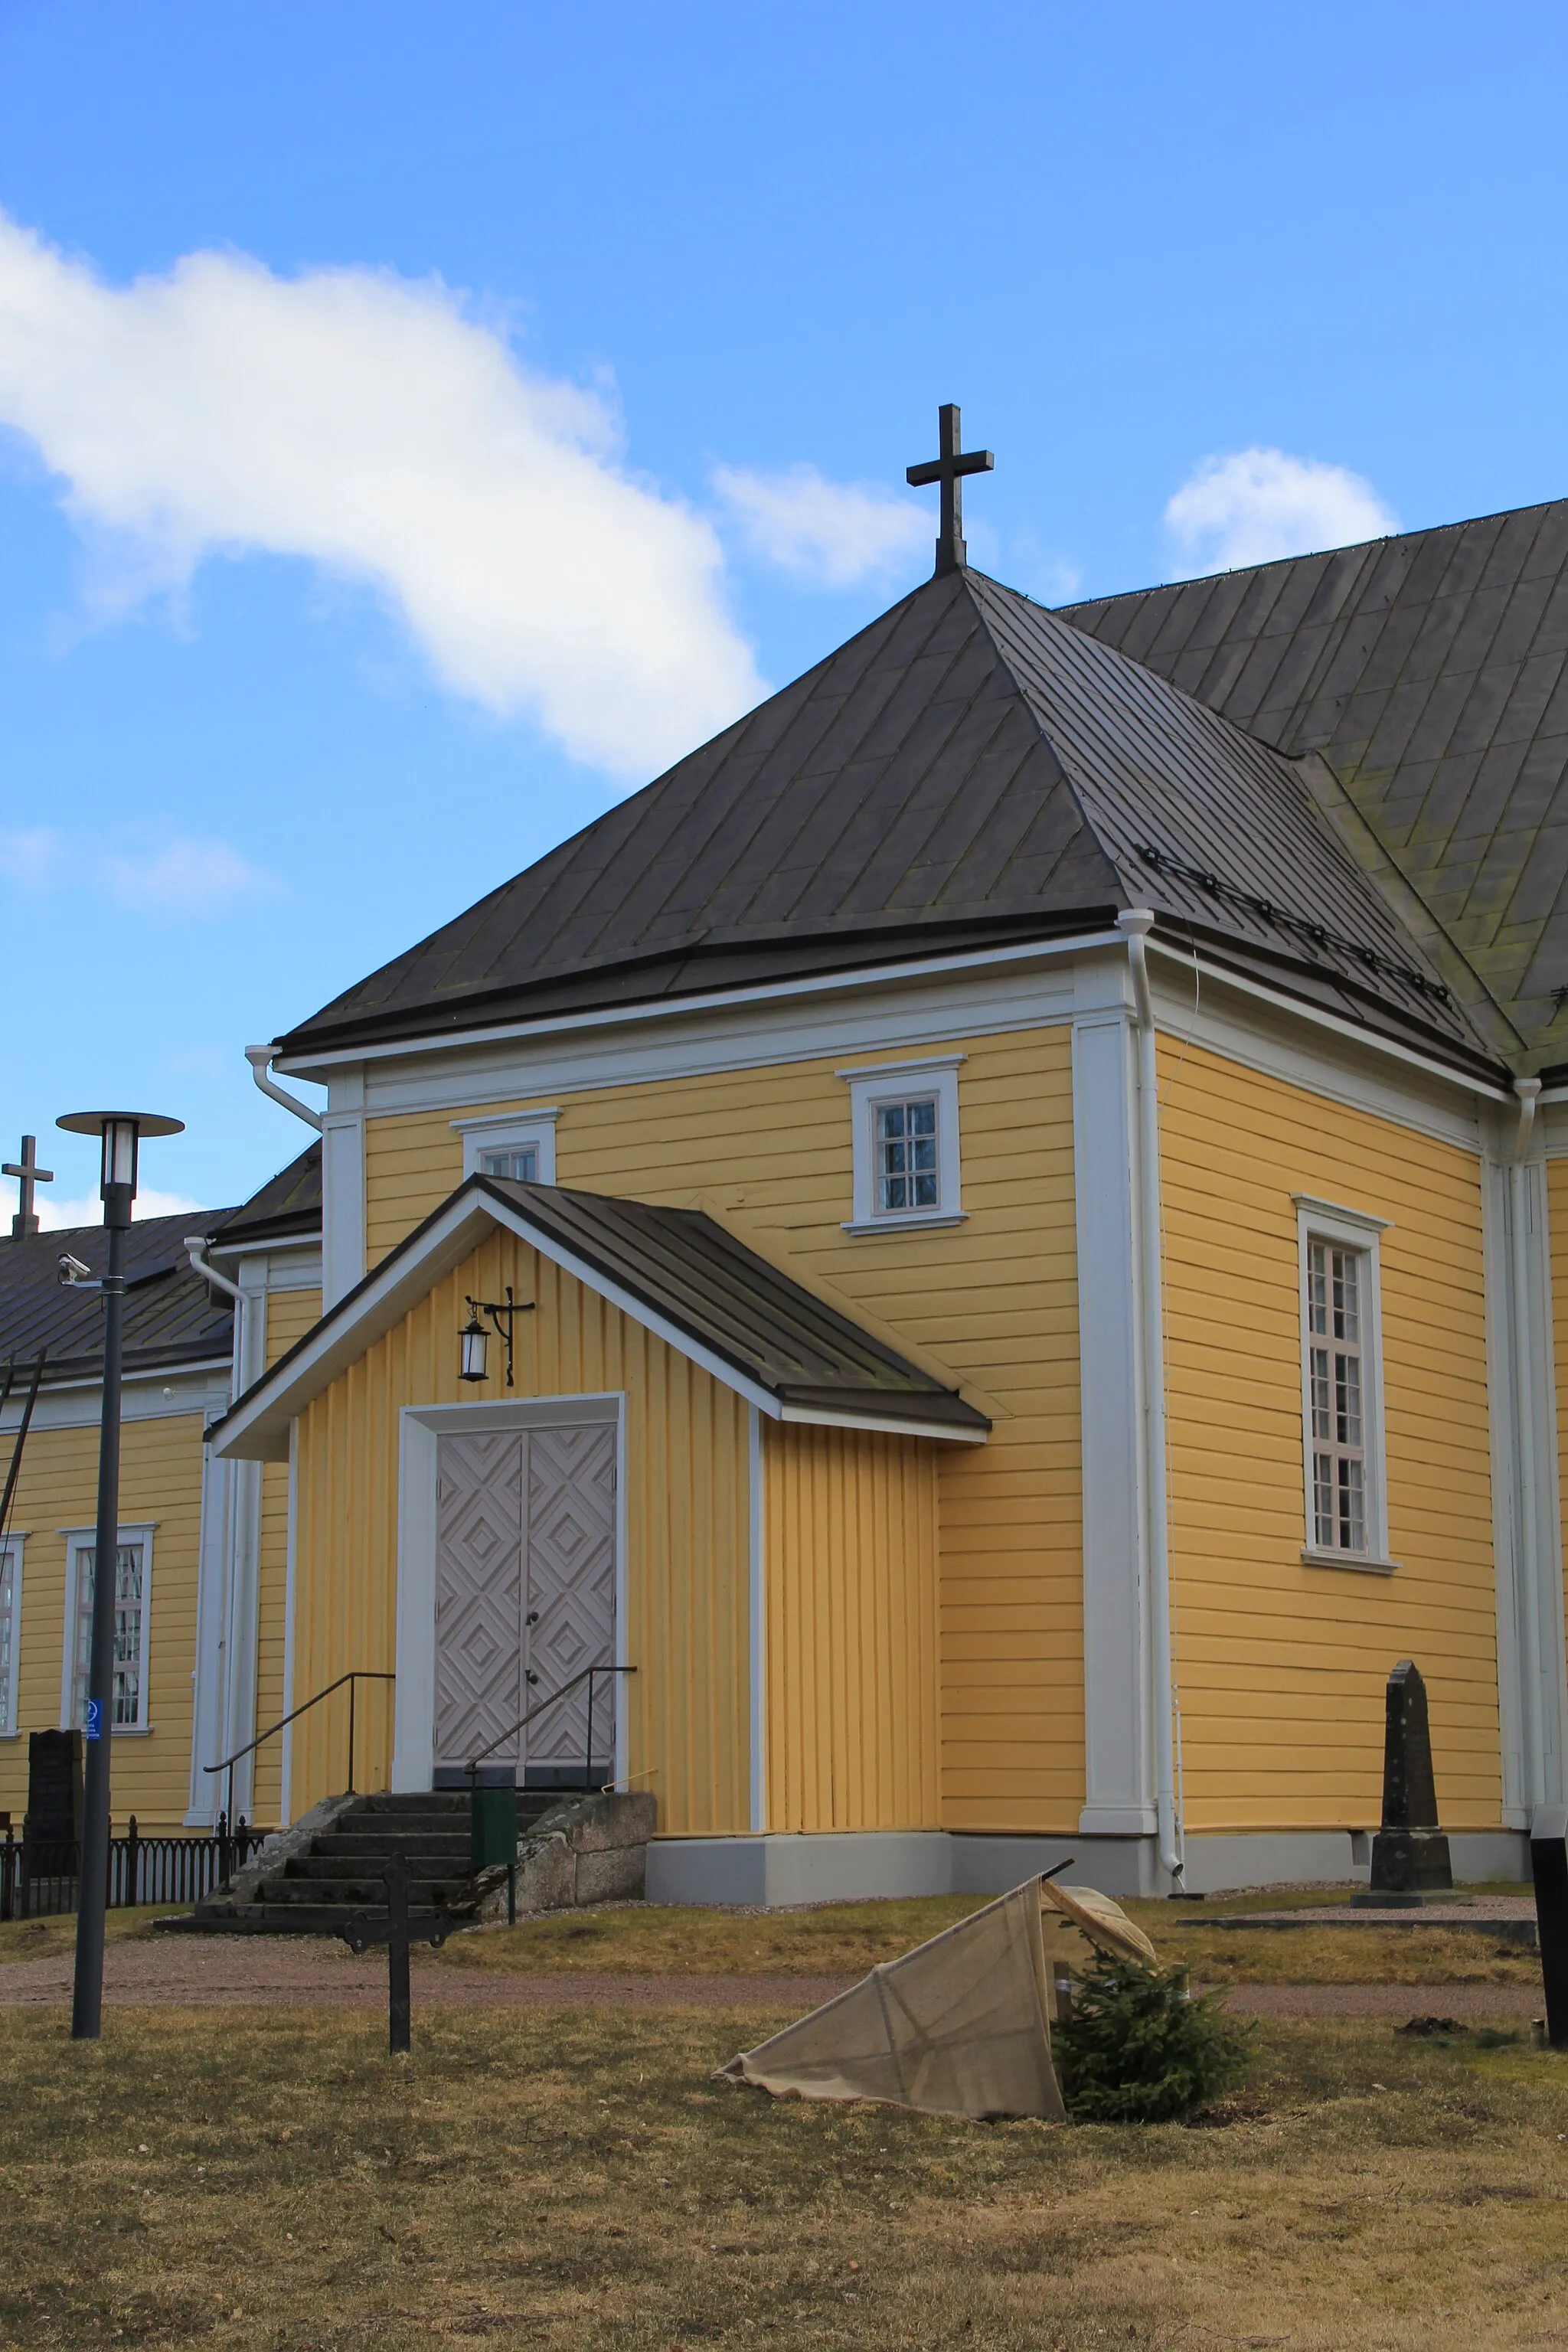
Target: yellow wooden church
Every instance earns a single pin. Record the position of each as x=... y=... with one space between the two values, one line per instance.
x=980 y=1252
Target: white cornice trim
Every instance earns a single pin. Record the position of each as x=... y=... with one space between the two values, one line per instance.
x=717 y=1000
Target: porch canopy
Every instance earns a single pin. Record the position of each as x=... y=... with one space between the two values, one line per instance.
x=676 y=1271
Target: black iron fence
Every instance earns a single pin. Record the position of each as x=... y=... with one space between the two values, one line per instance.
x=39 y=1878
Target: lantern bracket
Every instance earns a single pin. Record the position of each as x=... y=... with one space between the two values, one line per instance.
x=501 y=1314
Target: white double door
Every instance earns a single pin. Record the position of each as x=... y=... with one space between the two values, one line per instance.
x=525 y=1598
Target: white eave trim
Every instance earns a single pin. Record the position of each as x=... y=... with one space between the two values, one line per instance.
x=256 y=1429
x=713 y=1001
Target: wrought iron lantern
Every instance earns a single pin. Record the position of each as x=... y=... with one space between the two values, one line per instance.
x=473 y=1346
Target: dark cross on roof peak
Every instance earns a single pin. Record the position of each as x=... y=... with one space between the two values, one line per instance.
x=949 y=469
x=27 y=1173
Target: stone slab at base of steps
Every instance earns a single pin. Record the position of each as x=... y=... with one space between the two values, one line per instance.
x=315 y=1877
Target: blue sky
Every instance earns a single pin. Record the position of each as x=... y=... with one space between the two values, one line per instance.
x=418 y=424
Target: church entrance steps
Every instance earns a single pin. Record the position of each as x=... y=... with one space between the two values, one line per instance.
x=333 y=1867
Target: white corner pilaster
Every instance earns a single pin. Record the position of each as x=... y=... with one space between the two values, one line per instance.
x=1119 y=1794
x=1533 y=1695
x=342 y=1186
x=207 y=1675
x=758 y=1625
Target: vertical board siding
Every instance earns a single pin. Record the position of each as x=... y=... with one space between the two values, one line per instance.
x=850 y=1553
x=289 y=1314
x=686 y=1506
x=160 y=1483
x=1280 y=1666
x=992 y=1304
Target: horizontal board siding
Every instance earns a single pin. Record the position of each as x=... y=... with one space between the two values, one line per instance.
x=992 y=1303
x=160 y=1482
x=850 y=1553
x=688 y=1532
x=1280 y=1666
x=289 y=1314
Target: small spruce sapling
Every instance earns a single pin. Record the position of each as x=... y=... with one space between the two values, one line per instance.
x=1137 y=2050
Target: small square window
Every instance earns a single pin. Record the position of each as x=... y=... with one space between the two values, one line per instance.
x=518 y=1162
x=907 y=1174
x=904 y=1121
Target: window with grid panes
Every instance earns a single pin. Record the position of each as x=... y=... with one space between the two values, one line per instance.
x=907 y=1174
x=127 y=1706
x=1336 y=1284
x=519 y=1163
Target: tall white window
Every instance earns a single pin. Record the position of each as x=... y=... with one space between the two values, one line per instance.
x=1334 y=1287
x=904 y=1116
x=132 y=1571
x=1342 y=1387
x=10 y=1629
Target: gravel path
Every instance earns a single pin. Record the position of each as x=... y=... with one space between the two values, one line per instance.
x=289 y=1972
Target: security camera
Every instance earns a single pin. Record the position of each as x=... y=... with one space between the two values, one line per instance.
x=72 y=1271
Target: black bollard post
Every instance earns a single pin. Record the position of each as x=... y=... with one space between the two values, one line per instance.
x=397 y=1876
x=1549 y=1868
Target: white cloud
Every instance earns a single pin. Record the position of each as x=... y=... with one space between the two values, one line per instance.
x=1258 y=505
x=182 y=875
x=30 y=858
x=372 y=425
x=60 y=1216
x=185 y=877
x=830 y=533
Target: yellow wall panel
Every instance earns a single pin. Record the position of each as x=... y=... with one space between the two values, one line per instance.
x=850 y=1553
x=160 y=1483
x=992 y=1304
x=1281 y=1666
x=687 y=1533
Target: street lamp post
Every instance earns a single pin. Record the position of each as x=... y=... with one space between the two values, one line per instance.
x=121 y=1132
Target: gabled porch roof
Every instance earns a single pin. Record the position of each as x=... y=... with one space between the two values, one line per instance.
x=676 y=1271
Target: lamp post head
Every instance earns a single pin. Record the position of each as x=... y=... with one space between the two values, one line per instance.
x=473 y=1342
x=121 y=1132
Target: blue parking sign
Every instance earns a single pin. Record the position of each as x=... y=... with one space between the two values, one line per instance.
x=94 y=1725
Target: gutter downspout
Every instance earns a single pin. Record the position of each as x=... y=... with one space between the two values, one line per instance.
x=1135 y=923
x=261 y=1060
x=1527 y=1089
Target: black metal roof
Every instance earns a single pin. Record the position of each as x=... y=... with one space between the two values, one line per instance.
x=172 y=1316
x=969 y=768
x=1430 y=673
x=684 y=1265
x=681 y=1267
x=288 y=1204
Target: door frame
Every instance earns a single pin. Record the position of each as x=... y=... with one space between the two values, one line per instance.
x=420 y=1430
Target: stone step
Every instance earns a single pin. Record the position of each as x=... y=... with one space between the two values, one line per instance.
x=369 y=1862
x=357 y=1894
x=282 y=1919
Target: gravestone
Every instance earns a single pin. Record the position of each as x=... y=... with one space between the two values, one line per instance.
x=1410 y=1853
x=54 y=1787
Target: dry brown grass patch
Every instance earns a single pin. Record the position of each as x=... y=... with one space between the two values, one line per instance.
x=577 y=2181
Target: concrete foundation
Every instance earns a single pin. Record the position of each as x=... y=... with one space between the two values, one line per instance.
x=771 y=1873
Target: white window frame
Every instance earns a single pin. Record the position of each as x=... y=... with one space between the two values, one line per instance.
x=80 y=1539
x=893 y=1082
x=1348 y=1229
x=12 y=1553
x=522 y=1130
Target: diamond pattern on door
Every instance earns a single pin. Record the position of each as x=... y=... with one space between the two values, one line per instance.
x=478 y=1593
x=572 y=1586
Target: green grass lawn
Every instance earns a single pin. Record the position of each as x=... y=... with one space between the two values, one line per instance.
x=577 y=2181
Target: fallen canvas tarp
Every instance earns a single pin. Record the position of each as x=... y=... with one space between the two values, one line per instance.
x=960 y=2026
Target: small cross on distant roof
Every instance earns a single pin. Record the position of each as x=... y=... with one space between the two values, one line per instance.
x=949 y=470
x=27 y=1173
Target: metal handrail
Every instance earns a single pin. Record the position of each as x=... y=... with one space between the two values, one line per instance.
x=356 y=1674
x=522 y=1722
